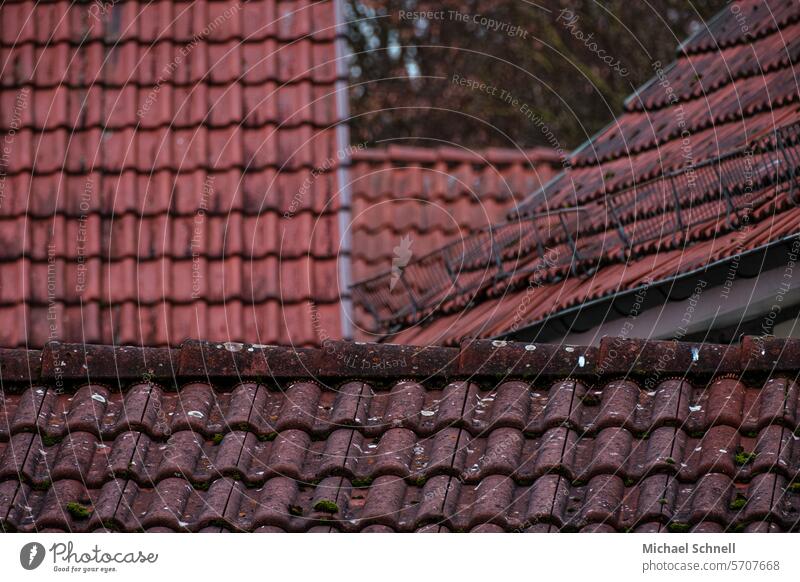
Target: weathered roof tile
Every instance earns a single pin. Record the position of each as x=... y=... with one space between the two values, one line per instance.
x=220 y=441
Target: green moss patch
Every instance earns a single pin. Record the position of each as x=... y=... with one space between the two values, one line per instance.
x=49 y=441
x=78 y=510
x=743 y=457
x=362 y=482
x=739 y=502
x=419 y=480
x=326 y=506
x=42 y=486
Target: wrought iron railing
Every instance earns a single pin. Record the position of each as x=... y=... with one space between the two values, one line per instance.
x=578 y=240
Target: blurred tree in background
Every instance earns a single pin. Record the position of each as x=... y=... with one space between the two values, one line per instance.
x=570 y=63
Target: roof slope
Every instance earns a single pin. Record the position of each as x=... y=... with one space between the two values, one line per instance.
x=642 y=201
x=159 y=183
x=431 y=197
x=491 y=436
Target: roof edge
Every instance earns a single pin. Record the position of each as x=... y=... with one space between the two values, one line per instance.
x=615 y=356
x=345 y=213
x=449 y=154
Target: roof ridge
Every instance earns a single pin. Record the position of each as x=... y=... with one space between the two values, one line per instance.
x=490 y=155
x=336 y=359
x=710 y=38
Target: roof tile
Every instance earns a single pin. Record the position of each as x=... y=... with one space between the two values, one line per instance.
x=160 y=132
x=714 y=101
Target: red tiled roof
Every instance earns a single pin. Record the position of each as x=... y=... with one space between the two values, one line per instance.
x=491 y=436
x=432 y=196
x=731 y=88
x=154 y=151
